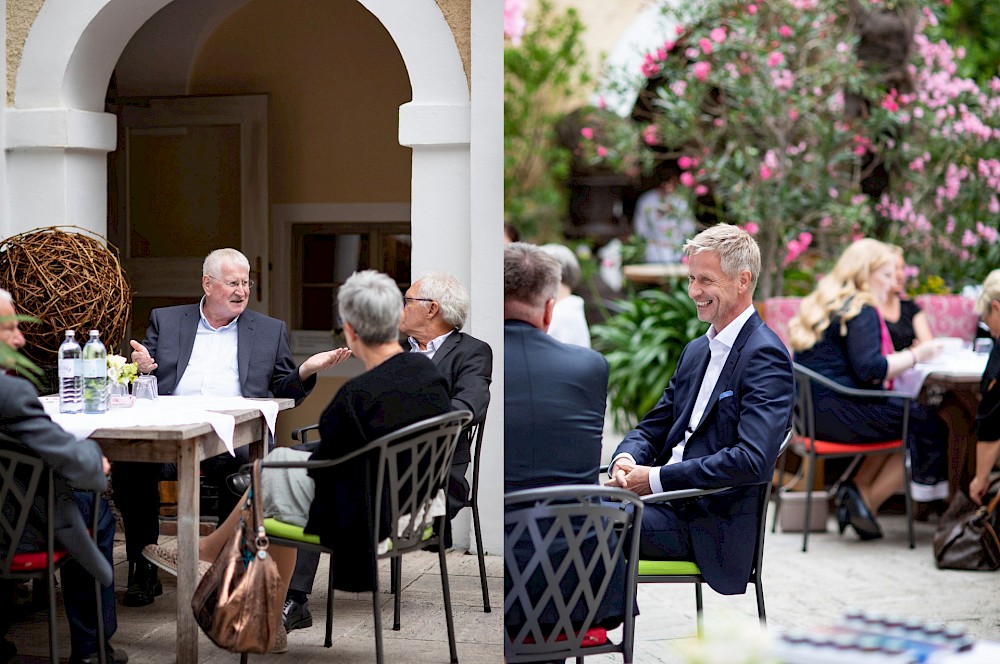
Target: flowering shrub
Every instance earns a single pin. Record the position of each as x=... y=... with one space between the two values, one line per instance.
x=944 y=199
x=766 y=106
x=751 y=99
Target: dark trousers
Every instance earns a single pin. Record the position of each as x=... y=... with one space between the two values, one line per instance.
x=848 y=421
x=307 y=562
x=137 y=495
x=78 y=588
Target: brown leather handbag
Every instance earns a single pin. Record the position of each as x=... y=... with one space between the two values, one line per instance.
x=966 y=537
x=236 y=603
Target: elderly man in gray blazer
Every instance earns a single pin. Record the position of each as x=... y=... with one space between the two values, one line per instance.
x=214 y=348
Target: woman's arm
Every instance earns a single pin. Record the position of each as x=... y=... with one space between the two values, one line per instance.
x=921 y=329
x=986 y=458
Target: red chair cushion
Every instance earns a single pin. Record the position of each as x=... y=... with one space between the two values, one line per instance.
x=33 y=561
x=595 y=636
x=829 y=447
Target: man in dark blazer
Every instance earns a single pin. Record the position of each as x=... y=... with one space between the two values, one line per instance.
x=719 y=423
x=215 y=348
x=554 y=402
x=77 y=464
x=435 y=308
x=554 y=393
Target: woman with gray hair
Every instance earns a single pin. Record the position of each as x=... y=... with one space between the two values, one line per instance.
x=569 y=320
x=396 y=390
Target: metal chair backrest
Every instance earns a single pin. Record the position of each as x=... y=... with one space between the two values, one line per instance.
x=758 y=554
x=20 y=476
x=413 y=465
x=561 y=545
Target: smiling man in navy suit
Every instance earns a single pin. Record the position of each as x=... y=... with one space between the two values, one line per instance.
x=719 y=423
x=215 y=348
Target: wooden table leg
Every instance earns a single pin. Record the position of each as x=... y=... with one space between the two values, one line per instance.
x=188 y=518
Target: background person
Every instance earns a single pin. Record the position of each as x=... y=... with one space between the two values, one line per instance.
x=839 y=333
x=215 y=348
x=905 y=320
x=664 y=218
x=719 y=423
x=569 y=319
x=988 y=418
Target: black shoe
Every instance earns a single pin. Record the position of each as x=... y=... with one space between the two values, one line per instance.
x=860 y=516
x=112 y=657
x=143 y=585
x=296 y=616
x=238 y=483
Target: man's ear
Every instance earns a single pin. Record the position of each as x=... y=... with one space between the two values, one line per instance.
x=550 y=305
x=206 y=281
x=433 y=309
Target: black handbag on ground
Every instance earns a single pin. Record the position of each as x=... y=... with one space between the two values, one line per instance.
x=966 y=537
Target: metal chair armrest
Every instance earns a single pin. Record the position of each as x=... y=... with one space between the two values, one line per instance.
x=302 y=434
x=667 y=496
x=850 y=391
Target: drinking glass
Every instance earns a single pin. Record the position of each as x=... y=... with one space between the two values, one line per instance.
x=983 y=345
x=145 y=387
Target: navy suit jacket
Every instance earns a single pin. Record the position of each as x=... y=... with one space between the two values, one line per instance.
x=554 y=401
x=735 y=445
x=266 y=366
x=467 y=365
x=78 y=464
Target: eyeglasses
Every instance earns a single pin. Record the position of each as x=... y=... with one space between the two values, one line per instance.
x=234 y=284
x=407 y=300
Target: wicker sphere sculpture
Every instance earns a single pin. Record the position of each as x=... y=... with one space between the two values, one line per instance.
x=68 y=281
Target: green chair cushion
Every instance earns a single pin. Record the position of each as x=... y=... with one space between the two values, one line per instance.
x=288 y=531
x=667 y=568
x=277 y=528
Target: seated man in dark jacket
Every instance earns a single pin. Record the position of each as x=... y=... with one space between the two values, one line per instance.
x=78 y=464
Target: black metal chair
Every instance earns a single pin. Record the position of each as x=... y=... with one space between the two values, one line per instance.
x=683 y=571
x=24 y=480
x=559 y=545
x=475 y=433
x=805 y=443
x=412 y=466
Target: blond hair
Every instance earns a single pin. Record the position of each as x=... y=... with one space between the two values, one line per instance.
x=736 y=249
x=842 y=292
x=990 y=292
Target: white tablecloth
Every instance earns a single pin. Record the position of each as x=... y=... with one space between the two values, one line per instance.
x=165 y=411
x=955 y=361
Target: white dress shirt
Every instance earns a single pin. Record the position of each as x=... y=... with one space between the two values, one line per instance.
x=719 y=344
x=432 y=345
x=213 y=369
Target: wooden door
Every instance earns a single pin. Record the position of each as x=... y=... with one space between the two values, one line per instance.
x=190 y=176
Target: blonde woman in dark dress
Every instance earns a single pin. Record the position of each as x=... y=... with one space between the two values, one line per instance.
x=988 y=419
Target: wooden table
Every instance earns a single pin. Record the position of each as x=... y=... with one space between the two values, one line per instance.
x=956 y=379
x=655 y=273
x=186 y=445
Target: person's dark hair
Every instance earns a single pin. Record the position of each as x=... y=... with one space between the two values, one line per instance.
x=530 y=276
x=511 y=232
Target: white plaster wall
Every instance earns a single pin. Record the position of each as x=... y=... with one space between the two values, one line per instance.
x=4 y=208
x=486 y=220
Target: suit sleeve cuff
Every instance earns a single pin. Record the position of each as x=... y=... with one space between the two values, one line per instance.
x=655 y=485
x=623 y=455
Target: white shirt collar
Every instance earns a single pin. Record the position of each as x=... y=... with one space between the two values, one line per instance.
x=432 y=346
x=201 y=311
x=729 y=333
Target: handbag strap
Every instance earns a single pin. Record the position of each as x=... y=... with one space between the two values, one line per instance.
x=255 y=506
x=993 y=503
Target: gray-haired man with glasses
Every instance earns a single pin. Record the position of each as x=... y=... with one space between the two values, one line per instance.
x=214 y=348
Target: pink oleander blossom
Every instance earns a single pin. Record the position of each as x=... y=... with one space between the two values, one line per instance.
x=718 y=35
x=514 y=22
x=751 y=228
x=785 y=31
x=775 y=58
x=701 y=70
x=687 y=179
x=587 y=132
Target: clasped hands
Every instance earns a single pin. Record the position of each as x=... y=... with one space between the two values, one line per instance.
x=627 y=475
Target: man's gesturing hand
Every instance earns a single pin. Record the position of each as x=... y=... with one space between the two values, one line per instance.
x=141 y=357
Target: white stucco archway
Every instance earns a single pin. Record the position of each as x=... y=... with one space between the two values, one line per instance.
x=57 y=137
